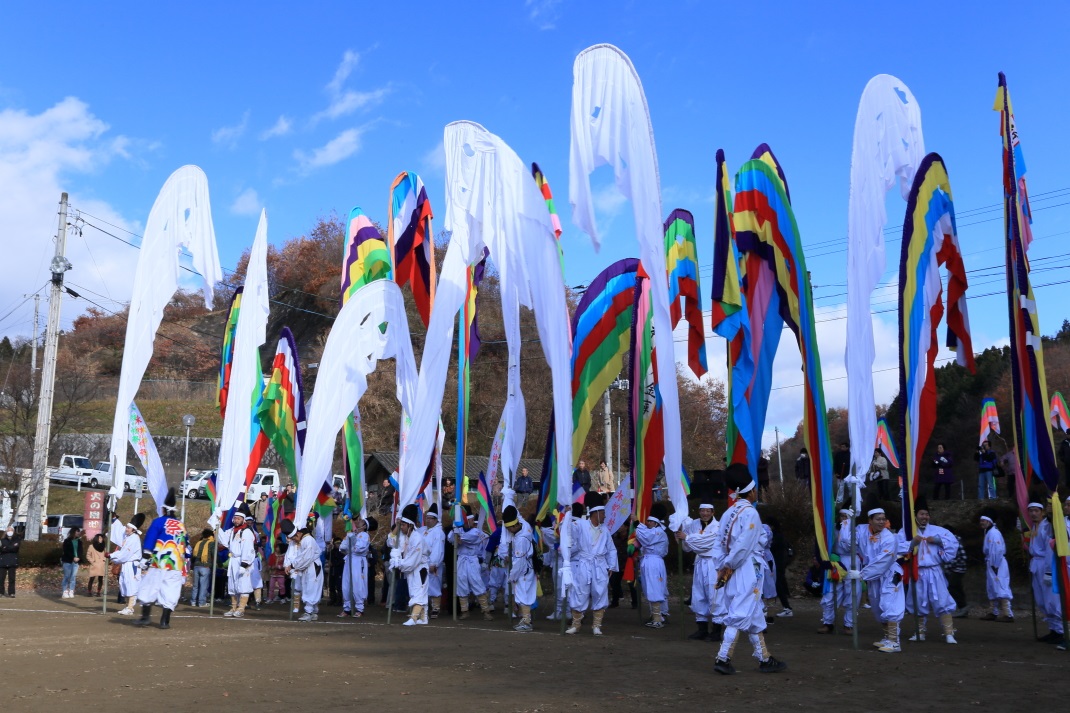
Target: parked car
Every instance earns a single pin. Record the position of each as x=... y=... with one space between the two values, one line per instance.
x=266 y=480
x=196 y=484
x=62 y=524
x=77 y=470
x=101 y=477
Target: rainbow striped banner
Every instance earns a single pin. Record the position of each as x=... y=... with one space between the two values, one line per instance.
x=930 y=240
x=282 y=411
x=886 y=443
x=411 y=240
x=1029 y=386
x=468 y=343
x=1059 y=417
x=555 y=220
x=645 y=425
x=681 y=260
x=989 y=419
x=486 y=502
x=226 y=355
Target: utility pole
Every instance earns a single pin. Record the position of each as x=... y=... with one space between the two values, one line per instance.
x=33 y=352
x=607 y=432
x=39 y=475
x=780 y=460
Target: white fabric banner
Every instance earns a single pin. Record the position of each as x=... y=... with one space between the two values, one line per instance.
x=611 y=126
x=492 y=201
x=145 y=448
x=354 y=346
x=619 y=506
x=888 y=146
x=250 y=333
x=181 y=217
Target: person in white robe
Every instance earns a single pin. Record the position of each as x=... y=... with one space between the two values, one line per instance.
x=882 y=574
x=1040 y=560
x=471 y=543
x=355 y=547
x=933 y=546
x=838 y=594
x=653 y=547
x=241 y=543
x=521 y=566
x=740 y=575
x=129 y=556
x=593 y=558
x=305 y=566
x=700 y=536
x=435 y=542
x=165 y=564
x=409 y=556
x=997 y=574
x=553 y=560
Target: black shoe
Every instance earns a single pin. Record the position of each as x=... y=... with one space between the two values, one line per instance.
x=702 y=632
x=771 y=665
x=146 y=612
x=165 y=619
x=724 y=667
x=614 y=604
x=1050 y=638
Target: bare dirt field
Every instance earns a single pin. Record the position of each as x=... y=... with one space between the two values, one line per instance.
x=65 y=655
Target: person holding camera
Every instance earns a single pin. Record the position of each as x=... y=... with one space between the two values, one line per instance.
x=878 y=473
x=986 y=471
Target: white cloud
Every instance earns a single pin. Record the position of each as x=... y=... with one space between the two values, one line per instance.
x=434 y=161
x=346 y=101
x=608 y=201
x=544 y=13
x=228 y=135
x=337 y=149
x=281 y=127
x=40 y=154
x=247 y=203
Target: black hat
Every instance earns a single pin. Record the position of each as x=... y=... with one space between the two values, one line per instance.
x=871 y=504
x=288 y=528
x=920 y=503
x=410 y=514
x=737 y=476
x=659 y=512
x=373 y=524
x=467 y=508
x=510 y=516
x=577 y=510
x=592 y=500
x=137 y=521
x=243 y=510
x=547 y=521
x=169 y=501
x=433 y=509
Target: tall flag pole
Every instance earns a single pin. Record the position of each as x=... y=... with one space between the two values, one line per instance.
x=645 y=424
x=777 y=287
x=929 y=240
x=468 y=343
x=729 y=318
x=411 y=240
x=1029 y=387
x=989 y=420
x=681 y=259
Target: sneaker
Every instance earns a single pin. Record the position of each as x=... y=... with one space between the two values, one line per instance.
x=487 y=616
x=409 y=622
x=890 y=648
x=826 y=629
x=724 y=667
x=305 y=617
x=786 y=613
x=232 y=612
x=240 y=614
x=553 y=617
x=656 y=624
x=950 y=638
x=963 y=613
x=314 y=617
x=879 y=644
x=522 y=627
x=570 y=630
x=848 y=630
x=1061 y=646
x=358 y=614
x=343 y=614
x=917 y=637
x=866 y=606
x=771 y=665
x=1006 y=619
x=597 y=631
x=126 y=612
x=1050 y=638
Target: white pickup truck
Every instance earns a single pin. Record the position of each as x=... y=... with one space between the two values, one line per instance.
x=77 y=470
x=102 y=478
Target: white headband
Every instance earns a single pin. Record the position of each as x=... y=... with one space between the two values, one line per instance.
x=596 y=508
x=1038 y=506
x=986 y=517
x=746 y=488
x=705 y=506
x=875 y=511
x=405 y=519
x=651 y=517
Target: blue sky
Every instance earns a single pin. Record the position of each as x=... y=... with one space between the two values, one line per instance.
x=305 y=110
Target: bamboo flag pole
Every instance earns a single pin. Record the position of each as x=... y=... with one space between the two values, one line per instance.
x=215 y=565
x=107 y=549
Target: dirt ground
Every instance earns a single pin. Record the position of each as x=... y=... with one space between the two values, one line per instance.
x=67 y=655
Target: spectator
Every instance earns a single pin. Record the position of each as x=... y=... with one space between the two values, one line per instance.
x=9 y=561
x=336 y=560
x=71 y=558
x=523 y=487
x=943 y=473
x=581 y=476
x=802 y=467
x=841 y=468
x=259 y=508
x=202 y=568
x=386 y=496
x=878 y=473
x=604 y=481
x=277 y=573
x=986 y=472
x=96 y=559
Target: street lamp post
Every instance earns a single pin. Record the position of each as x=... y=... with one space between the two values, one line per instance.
x=188 y=420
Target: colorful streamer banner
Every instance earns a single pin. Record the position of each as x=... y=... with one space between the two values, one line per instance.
x=989 y=420
x=226 y=355
x=1029 y=387
x=681 y=259
x=468 y=343
x=1060 y=418
x=776 y=285
x=645 y=425
x=555 y=219
x=486 y=502
x=412 y=242
x=929 y=240
x=145 y=448
x=886 y=443
x=282 y=411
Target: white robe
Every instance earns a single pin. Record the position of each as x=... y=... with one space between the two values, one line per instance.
x=707 y=602
x=241 y=545
x=129 y=556
x=593 y=557
x=355 y=576
x=308 y=572
x=997 y=575
x=879 y=554
x=472 y=545
x=521 y=571
x=654 y=545
x=741 y=551
x=1040 y=570
x=435 y=544
x=932 y=595
x=839 y=594
x=414 y=567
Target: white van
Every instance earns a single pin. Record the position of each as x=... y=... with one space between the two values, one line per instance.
x=196 y=485
x=101 y=477
x=267 y=481
x=62 y=524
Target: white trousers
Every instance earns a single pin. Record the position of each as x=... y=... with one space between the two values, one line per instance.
x=469 y=577
x=839 y=596
x=239 y=579
x=161 y=586
x=703 y=593
x=743 y=598
x=354 y=583
x=590 y=587
x=933 y=597
x=886 y=598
